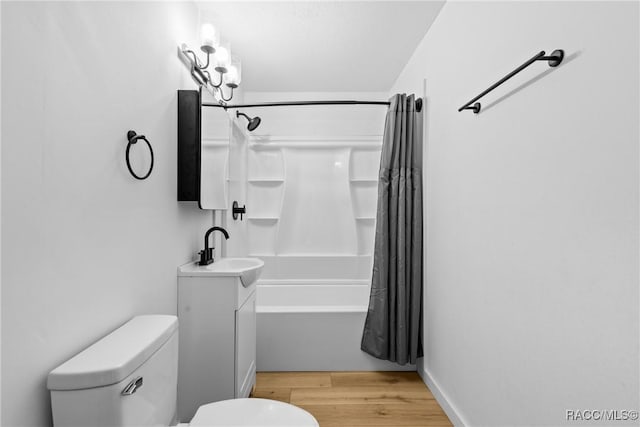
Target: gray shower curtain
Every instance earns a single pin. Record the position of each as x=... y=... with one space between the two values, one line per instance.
x=393 y=328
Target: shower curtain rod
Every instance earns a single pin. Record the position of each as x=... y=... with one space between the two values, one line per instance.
x=295 y=103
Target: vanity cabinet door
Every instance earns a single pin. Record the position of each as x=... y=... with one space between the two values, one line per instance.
x=246 y=347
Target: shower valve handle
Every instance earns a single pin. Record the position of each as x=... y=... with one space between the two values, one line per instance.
x=238 y=210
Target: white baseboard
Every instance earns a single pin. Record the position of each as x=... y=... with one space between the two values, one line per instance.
x=445 y=402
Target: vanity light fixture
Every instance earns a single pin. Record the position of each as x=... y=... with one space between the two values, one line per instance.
x=219 y=58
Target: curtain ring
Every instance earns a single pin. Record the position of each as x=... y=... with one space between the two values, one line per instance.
x=133 y=138
x=419 y=105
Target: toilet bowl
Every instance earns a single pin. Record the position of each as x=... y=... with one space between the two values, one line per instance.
x=129 y=378
x=252 y=412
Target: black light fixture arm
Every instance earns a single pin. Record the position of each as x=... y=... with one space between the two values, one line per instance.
x=196 y=61
x=208 y=57
x=554 y=60
x=202 y=76
x=217 y=85
x=222 y=93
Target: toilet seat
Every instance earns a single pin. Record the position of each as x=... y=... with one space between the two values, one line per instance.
x=252 y=412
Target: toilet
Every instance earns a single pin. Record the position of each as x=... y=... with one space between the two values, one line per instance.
x=129 y=378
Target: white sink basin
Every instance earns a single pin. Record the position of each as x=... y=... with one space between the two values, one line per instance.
x=248 y=269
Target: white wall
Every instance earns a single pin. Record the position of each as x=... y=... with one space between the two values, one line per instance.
x=532 y=210
x=86 y=246
x=0 y=227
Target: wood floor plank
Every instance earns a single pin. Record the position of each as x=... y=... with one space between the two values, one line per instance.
x=356 y=399
x=293 y=379
x=383 y=378
x=398 y=415
x=359 y=395
x=282 y=394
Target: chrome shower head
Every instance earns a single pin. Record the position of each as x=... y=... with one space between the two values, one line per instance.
x=253 y=122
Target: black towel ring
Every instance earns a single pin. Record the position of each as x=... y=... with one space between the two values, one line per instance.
x=133 y=138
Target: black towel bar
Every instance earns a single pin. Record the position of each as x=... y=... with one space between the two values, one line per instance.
x=554 y=60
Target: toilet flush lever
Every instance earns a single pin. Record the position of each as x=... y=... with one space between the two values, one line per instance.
x=132 y=387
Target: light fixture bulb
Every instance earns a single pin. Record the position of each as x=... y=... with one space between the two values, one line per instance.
x=234 y=73
x=223 y=57
x=209 y=38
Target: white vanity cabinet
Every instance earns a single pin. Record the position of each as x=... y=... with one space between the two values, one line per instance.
x=245 y=340
x=217 y=356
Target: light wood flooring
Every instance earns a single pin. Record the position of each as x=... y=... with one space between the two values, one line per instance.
x=344 y=399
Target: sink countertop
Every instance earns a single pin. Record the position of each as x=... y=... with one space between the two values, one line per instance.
x=224 y=267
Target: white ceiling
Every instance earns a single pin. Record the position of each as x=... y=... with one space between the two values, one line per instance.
x=356 y=46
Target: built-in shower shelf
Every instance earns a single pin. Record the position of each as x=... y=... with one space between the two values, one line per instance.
x=263 y=218
x=265 y=180
x=365 y=180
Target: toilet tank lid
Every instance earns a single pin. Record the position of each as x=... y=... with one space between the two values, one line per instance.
x=114 y=357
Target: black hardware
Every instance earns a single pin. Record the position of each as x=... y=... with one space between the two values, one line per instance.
x=419 y=105
x=200 y=73
x=189 y=146
x=206 y=255
x=475 y=107
x=237 y=210
x=554 y=60
x=295 y=103
x=253 y=122
x=133 y=138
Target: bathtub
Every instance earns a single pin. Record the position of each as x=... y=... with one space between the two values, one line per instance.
x=314 y=325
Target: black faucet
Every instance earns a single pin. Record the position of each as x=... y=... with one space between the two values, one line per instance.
x=206 y=255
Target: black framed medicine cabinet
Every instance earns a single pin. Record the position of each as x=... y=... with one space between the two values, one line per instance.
x=202 y=161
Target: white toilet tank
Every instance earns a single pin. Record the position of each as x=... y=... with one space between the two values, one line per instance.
x=128 y=378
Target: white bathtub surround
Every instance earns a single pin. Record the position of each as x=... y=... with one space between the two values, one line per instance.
x=314 y=325
x=337 y=145
x=531 y=210
x=345 y=269
x=311 y=182
x=296 y=183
